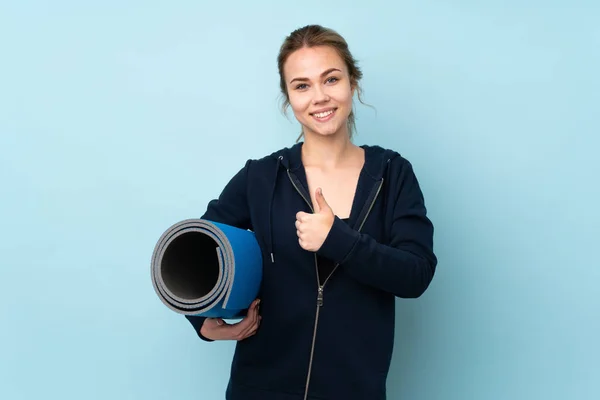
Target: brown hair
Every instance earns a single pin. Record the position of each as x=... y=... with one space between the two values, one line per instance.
x=312 y=36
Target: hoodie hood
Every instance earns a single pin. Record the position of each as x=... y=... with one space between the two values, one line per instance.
x=376 y=159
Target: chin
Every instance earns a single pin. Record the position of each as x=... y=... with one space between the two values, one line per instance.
x=322 y=131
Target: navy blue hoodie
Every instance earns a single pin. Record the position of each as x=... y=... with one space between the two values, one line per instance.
x=328 y=339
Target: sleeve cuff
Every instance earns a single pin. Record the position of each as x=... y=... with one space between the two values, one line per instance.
x=197 y=324
x=339 y=242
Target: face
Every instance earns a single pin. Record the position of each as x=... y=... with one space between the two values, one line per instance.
x=319 y=89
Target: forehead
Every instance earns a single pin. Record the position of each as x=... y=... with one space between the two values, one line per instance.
x=311 y=62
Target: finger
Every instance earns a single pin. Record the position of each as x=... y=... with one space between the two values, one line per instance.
x=302 y=216
x=240 y=330
x=246 y=320
x=246 y=324
x=247 y=335
x=252 y=331
x=248 y=330
x=321 y=200
x=256 y=324
x=252 y=312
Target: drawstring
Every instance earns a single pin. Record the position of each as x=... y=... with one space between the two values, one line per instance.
x=386 y=182
x=271 y=209
x=387 y=186
x=387 y=170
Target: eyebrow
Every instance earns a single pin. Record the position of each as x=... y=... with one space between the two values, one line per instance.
x=330 y=70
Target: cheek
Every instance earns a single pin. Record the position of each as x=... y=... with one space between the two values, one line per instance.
x=342 y=94
x=299 y=102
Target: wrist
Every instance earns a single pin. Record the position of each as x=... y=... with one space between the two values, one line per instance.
x=339 y=241
x=202 y=334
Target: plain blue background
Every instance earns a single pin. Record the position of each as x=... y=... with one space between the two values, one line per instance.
x=117 y=120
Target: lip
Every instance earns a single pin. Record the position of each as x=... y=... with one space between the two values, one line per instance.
x=323 y=110
x=325 y=119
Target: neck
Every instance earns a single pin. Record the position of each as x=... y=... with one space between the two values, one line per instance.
x=326 y=151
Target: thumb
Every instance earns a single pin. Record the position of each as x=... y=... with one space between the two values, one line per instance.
x=323 y=206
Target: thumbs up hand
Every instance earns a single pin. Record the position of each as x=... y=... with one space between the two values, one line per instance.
x=312 y=229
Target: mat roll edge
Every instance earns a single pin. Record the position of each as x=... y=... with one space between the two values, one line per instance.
x=239 y=270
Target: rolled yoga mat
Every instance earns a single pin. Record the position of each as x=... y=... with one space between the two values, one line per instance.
x=208 y=269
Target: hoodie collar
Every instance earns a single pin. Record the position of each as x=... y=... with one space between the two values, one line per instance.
x=376 y=159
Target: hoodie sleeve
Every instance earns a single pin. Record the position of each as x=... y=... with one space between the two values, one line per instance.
x=406 y=266
x=231 y=208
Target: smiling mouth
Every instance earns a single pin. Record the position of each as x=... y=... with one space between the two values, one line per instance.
x=323 y=116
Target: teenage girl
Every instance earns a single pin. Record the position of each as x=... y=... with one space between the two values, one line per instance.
x=344 y=232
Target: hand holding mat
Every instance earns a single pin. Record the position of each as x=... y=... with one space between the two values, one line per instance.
x=207 y=269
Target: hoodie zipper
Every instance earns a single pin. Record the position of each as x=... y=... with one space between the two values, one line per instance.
x=359 y=229
x=321 y=287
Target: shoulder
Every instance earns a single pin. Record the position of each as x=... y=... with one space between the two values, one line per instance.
x=382 y=162
x=288 y=157
x=270 y=159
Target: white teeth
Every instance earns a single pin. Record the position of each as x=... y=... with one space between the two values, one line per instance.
x=323 y=114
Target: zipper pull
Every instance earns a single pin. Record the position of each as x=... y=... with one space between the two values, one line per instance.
x=320 y=296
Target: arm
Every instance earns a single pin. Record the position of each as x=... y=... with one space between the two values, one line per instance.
x=229 y=208
x=405 y=267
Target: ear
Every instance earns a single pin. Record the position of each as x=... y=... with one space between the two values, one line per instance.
x=353 y=86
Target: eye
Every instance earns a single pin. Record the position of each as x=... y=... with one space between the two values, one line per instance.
x=332 y=79
x=301 y=86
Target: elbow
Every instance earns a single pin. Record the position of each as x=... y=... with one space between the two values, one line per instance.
x=415 y=291
x=420 y=289
x=427 y=273
x=424 y=271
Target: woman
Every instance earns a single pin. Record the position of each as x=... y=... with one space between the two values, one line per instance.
x=343 y=230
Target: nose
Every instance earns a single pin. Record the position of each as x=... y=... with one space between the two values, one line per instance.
x=320 y=95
